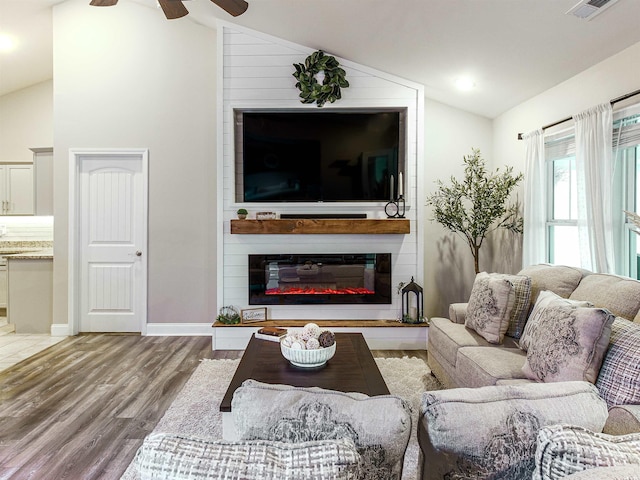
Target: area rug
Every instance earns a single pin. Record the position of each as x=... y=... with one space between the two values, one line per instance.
x=195 y=411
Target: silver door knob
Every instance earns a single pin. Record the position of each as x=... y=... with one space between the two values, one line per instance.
x=138 y=253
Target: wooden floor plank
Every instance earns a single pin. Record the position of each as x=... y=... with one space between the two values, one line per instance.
x=81 y=408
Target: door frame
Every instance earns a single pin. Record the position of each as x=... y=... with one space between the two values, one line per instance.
x=73 y=294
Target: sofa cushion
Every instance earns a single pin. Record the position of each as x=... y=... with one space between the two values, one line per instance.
x=619 y=295
x=545 y=298
x=556 y=278
x=491 y=305
x=482 y=366
x=447 y=337
x=563 y=450
x=566 y=342
x=490 y=432
x=619 y=378
x=163 y=456
x=379 y=426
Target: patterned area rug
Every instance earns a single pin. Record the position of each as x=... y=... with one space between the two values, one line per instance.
x=195 y=410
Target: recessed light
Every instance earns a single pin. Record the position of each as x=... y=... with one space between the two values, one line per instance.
x=7 y=43
x=465 y=84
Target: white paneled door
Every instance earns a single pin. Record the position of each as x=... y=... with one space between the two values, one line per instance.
x=112 y=241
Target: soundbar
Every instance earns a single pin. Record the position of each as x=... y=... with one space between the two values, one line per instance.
x=317 y=216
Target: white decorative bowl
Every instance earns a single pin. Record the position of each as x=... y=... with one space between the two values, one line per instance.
x=308 y=358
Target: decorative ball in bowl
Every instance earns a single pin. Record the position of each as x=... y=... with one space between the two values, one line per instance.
x=310 y=347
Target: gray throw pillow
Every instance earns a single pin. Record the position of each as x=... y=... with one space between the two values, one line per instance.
x=566 y=342
x=563 y=450
x=543 y=300
x=167 y=456
x=490 y=432
x=490 y=306
x=379 y=426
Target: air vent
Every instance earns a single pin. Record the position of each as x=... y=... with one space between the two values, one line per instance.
x=587 y=9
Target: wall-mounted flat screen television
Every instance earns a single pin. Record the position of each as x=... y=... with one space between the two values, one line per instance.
x=344 y=155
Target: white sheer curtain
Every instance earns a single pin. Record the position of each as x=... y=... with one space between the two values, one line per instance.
x=594 y=174
x=534 y=238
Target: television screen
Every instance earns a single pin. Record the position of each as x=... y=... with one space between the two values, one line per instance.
x=309 y=156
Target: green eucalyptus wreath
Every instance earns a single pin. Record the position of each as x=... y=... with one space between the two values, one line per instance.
x=312 y=91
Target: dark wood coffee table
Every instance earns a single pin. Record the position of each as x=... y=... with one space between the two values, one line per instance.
x=352 y=369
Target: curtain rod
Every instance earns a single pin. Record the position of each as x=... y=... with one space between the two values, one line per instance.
x=612 y=102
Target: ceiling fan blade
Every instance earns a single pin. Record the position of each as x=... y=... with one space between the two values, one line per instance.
x=103 y=3
x=232 y=7
x=173 y=9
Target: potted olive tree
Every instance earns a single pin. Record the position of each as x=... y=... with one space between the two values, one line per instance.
x=477 y=205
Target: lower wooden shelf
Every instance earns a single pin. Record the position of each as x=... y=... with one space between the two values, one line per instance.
x=375 y=226
x=323 y=323
x=379 y=334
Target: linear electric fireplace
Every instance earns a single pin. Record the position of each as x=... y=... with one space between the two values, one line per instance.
x=320 y=279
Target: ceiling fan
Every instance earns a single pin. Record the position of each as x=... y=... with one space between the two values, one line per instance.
x=176 y=9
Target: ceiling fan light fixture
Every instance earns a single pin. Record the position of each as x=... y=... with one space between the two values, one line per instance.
x=173 y=9
x=103 y=3
x=232 y=7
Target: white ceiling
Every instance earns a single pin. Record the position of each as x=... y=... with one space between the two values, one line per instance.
x=515 y=49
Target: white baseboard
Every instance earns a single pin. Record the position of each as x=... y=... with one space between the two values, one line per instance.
x=154 y=330
x=179 y=329
x=377 y=338
x=59 y=329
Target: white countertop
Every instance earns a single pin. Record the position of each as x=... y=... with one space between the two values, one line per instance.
x=26 y=249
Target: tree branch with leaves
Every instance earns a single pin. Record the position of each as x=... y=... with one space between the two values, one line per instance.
x=477 y=205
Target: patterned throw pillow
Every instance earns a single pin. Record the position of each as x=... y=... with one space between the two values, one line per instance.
x=491 y=304
x=490 y=432
x=522 y=289
x=619 y=379
x=563 y=450
x=566 y=342
x=545 y=297
x=166 y=456
x=380 y=426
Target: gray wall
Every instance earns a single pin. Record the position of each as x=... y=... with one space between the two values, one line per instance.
x=126 y=77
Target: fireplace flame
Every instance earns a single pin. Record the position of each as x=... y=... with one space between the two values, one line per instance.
x=319 y=291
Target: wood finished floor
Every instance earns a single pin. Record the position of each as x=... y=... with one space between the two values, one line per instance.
x=80 y=409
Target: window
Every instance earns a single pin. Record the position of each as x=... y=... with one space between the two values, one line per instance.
x=563 y=238
x=626 y=145
x=562 y=213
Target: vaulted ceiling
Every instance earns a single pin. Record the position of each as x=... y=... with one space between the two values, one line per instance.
x=513 y=49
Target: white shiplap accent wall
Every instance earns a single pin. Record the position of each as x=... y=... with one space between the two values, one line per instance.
x=256 y=72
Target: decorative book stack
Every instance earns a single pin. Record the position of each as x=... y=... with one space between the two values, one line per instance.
x=273 y=334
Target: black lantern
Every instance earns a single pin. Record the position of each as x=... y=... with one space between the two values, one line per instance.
x=412 y=312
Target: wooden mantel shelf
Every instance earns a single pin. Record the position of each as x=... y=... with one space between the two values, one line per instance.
x=374 y=226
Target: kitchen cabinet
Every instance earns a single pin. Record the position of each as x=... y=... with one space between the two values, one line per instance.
x=30 y=294
x=3 y=282
x=43 y=180
x=16 y=189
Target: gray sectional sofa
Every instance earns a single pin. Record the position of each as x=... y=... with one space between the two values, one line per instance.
x=495 y=397
x=290 y=433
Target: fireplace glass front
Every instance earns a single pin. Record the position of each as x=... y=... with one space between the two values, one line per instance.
x=320 y=279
